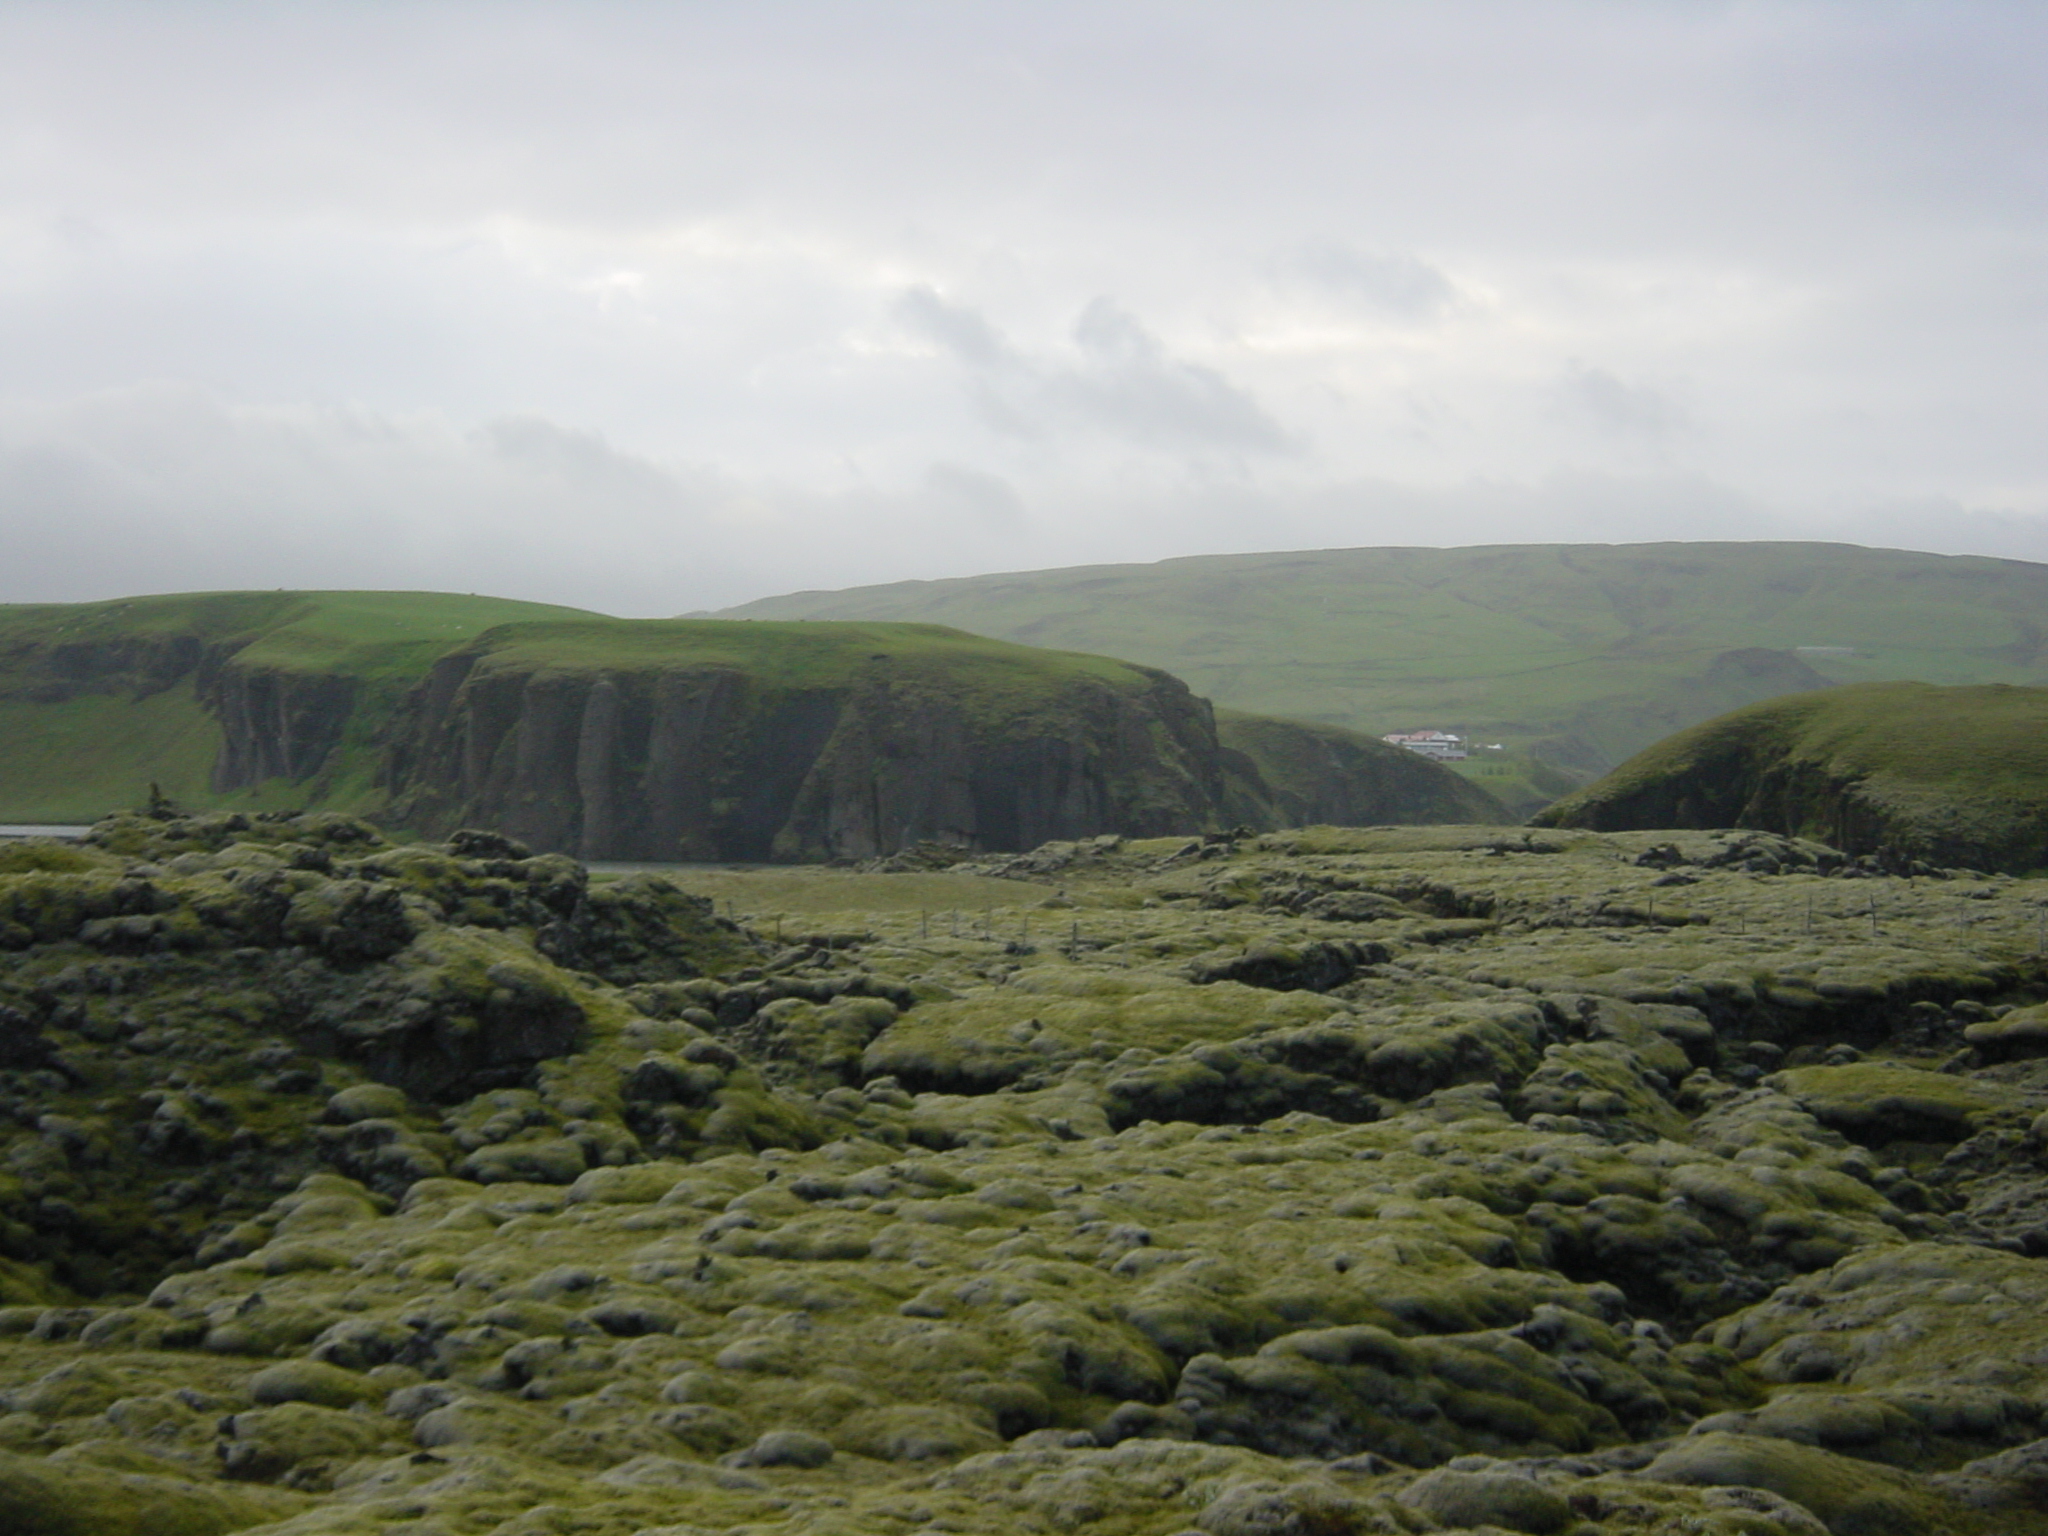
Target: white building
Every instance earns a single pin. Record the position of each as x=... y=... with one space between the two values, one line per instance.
x=1441 y=745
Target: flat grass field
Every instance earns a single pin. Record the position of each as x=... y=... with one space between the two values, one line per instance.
x=363 y=633
x=1584 y=654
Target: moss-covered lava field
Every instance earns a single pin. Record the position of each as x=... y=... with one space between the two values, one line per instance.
x=1363 y=1180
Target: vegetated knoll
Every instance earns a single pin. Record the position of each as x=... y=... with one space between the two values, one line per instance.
x=173 y=991
x=1339 y=1181
x=1948 y=776
x=618 y=738
x=1573 y=655
x=254 y=698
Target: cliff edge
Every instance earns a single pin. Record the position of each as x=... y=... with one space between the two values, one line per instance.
x=1902 y=771
x=649 y=739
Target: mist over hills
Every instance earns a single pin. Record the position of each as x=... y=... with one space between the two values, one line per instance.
x=1574 y=656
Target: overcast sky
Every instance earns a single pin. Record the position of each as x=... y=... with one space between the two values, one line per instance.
x=657 y=307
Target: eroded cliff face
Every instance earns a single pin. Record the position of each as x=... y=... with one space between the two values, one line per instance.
x=655 y=739
x=712 y=762
x=137 y=665
x=275 y=724
x=1746 y=783
x=1902 y=773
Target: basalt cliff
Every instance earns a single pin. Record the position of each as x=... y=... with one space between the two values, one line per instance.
x=653 y=739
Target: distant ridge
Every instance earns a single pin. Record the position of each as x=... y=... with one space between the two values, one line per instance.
x=1574 y=656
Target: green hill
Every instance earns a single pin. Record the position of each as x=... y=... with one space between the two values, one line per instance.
x=1572 y=657
x=1953 y=776
x=644 y=739
x=99 y=699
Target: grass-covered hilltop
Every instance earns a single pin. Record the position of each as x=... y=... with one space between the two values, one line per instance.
x=649 y=739
x=1315 y=1183
x=1910 y=771
x=1573 y=657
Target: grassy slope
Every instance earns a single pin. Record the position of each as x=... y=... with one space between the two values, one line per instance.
x=78 y=759
x=1606 y=643
x=1956 y=763
x=1296 y=758
x=1016 y=681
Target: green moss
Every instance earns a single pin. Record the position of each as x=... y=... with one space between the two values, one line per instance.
x=43 y=1499
x=1211 y=1255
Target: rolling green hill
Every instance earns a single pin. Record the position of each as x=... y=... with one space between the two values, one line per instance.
x=97 y=700
x=1952 y=776
x=1571 y=656
x=647 y=739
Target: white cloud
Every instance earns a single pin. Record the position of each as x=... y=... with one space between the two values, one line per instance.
x=1397 y=284
x=752 y=296
x=1619 y=405
x=1122 y=382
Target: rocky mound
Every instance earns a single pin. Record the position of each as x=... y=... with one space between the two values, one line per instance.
x=1334 y=1182
x=1902 y=771
x=650 y=740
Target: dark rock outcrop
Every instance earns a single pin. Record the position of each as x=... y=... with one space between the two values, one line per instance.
x=1904 y=773
x=276 y=724
x=656 y=739
x=959 y=743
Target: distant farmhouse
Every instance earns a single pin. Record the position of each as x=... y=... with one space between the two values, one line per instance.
x=1441 y=745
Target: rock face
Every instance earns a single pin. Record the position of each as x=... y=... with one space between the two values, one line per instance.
x=275 y=724
x=865 y=753
x=1896 y=771
x=661 y=740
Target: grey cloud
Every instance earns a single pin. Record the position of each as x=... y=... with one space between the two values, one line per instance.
x=964 y=333
x=472 y=285
x=978 y=494
x=164 y=488
x=1398 y=284
x=1129 y=384
x=1621 y=406
x=580 y=459
x=1124 y=384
